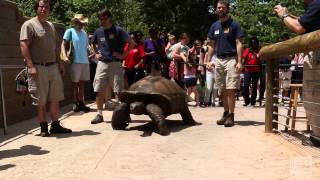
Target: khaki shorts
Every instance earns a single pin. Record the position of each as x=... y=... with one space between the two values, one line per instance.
x=80 y=72
x=226 y=76
x=108 y=73
x=47 y=87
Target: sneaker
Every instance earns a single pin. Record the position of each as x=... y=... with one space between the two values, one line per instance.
x=223 y=119
x=56 y=128
x=229 y=120
x=245 y=104
x=44 y=129
x=83 y=107
x=97 y=119
x=75 y=107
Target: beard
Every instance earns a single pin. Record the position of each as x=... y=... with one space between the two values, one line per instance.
x=222 y=14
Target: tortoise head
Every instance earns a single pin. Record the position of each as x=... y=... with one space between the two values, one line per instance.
x=137 y=108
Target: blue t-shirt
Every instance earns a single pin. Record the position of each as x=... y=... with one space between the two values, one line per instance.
x=225 y=34
x=110 y=40
x=310 y=20
x=80 y=43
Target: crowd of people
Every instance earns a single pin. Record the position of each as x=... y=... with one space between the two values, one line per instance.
x=113 y=59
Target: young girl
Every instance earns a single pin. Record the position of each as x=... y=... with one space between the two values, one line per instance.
x=190 y=73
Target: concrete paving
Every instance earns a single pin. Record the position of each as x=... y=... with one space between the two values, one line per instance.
x=204 y=152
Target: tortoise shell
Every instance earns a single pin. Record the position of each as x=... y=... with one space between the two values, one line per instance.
x=158 y=90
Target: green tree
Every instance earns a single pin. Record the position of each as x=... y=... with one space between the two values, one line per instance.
x=258 y=19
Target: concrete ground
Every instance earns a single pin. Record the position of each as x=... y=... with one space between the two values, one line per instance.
x=205 y=152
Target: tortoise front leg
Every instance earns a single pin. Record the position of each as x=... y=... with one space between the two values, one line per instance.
x=156 y=114
x=120 y=117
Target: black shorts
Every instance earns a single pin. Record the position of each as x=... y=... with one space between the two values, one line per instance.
x=190 y=82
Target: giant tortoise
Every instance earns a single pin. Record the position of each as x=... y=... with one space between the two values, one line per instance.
x=154 y=96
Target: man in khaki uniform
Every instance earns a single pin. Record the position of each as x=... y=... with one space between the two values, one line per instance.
x=225 y=40
x=40 y=49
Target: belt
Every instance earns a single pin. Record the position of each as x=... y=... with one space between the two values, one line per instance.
x=226 y=56
x=110 y=60
x=45 y=64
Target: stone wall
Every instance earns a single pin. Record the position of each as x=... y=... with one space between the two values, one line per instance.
x=18 y=107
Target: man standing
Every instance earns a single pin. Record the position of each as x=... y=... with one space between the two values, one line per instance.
x=224 y=39
x=40 y=49
x=109 y=41
x=80 y=69
x=308 y=22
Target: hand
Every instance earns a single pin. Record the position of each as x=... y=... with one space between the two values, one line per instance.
x=61 y=69
x=33 y=71
x=136 y=66
x=280 y=10
x=99 y=56
x=239 y=67
x=117 y=55
x=66 y=59
x=210 y=66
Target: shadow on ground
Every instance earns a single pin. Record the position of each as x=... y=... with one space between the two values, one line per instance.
x=23 y=151
x=249 y=123
x=7 y=166
x=75 y=134
x=148 y=128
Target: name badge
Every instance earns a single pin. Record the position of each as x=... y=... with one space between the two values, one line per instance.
x=102 y=39
x=216 y=32
x=111 y=36
x=226 y=30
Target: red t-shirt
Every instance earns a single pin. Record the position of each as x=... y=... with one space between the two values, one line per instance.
x=250 y=58
x=134 y=57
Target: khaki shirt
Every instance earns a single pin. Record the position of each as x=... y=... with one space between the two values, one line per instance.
x=43 y=40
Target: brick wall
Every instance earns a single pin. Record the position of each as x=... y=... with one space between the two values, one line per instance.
x=18 y=107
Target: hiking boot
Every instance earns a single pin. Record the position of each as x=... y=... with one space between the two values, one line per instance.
x=56 y=128
x=75 y=107
x=223 y=119
x=229 y=120
x=44 y=129
x=97 y=119
x=83 y=107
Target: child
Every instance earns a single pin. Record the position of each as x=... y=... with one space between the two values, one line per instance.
x=190 y=70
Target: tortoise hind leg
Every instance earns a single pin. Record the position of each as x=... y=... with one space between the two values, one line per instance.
x=156 y=114
x=187 y=116
x=120 y=117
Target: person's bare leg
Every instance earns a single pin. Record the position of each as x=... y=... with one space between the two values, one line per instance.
x=75 y=92
x=41 y=113
x=81 y=91
x=224 y=95
x=100 y=99
x=225 y=100
x=54 y=111
x=231 y=97
x=231 y=100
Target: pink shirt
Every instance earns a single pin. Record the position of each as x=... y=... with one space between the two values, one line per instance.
x=190 y=71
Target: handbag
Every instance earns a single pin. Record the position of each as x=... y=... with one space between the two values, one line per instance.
x=22 y=82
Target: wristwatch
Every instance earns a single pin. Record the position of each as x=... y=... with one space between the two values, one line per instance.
x=284 y=16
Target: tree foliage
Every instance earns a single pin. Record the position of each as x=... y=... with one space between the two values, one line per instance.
x=255 y=16
x=258 y=19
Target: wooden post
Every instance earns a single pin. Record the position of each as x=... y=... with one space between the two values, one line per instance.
x=269 y=95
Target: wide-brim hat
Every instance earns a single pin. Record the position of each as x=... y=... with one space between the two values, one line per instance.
x=80 y=18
